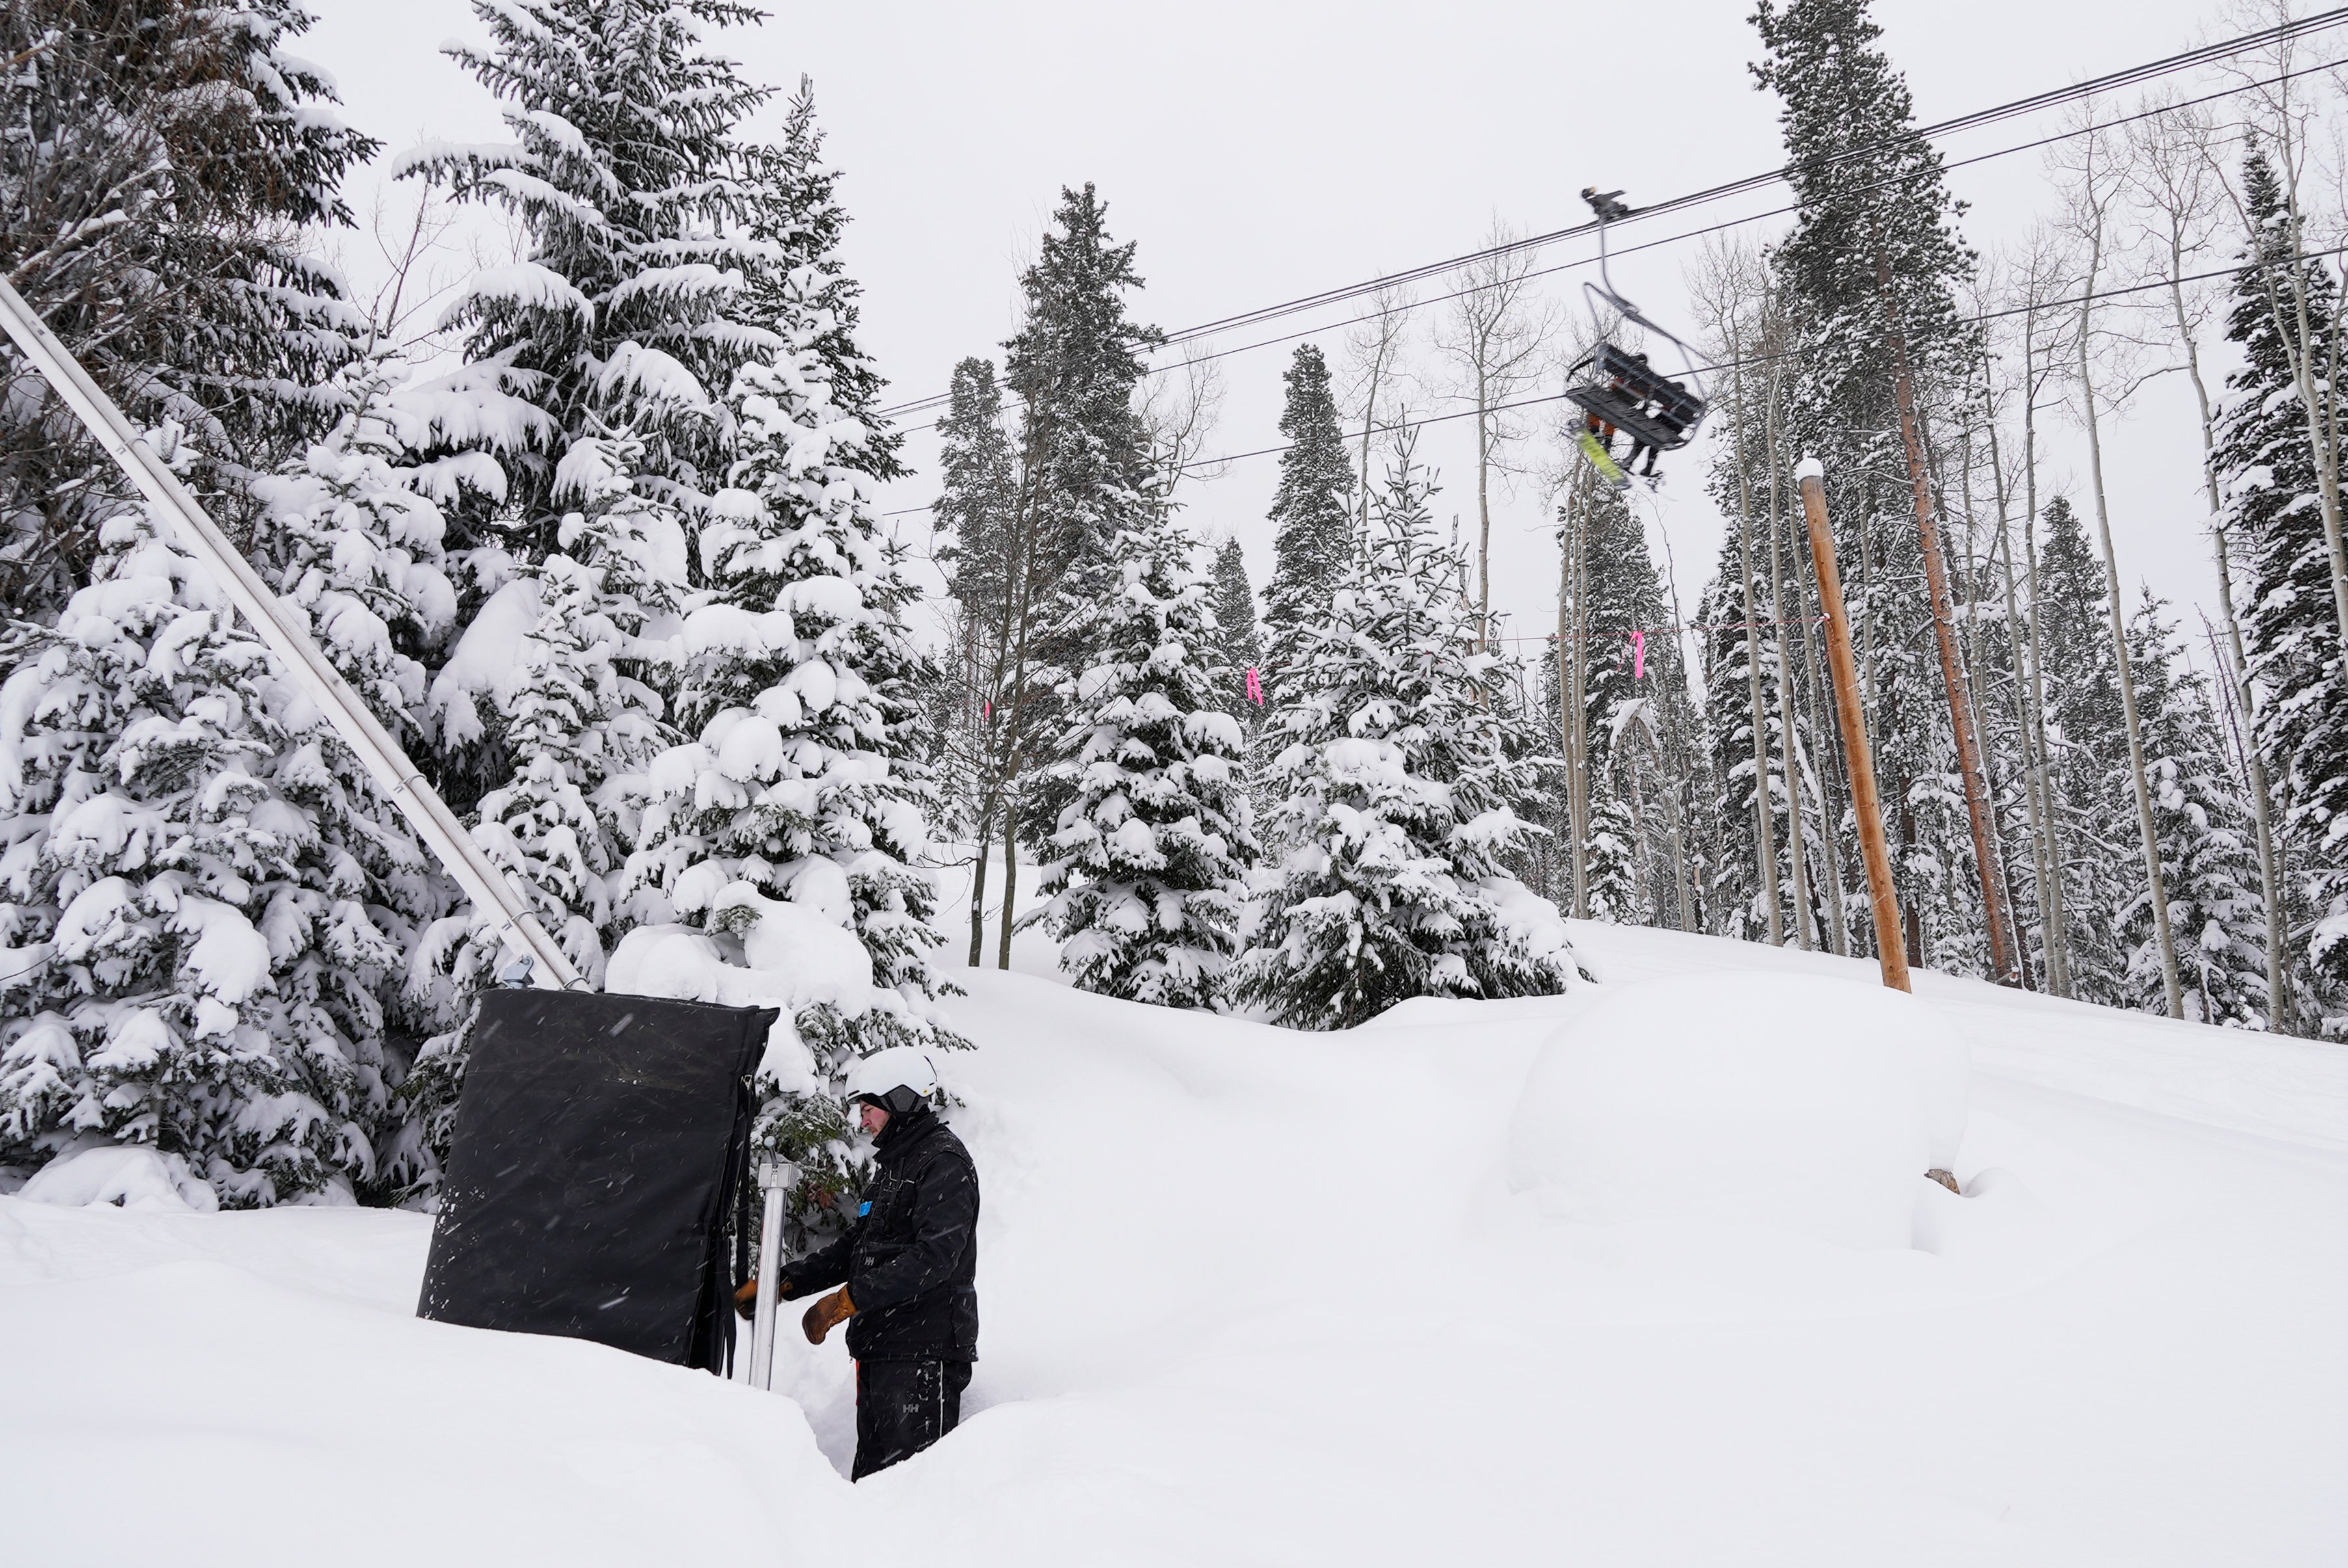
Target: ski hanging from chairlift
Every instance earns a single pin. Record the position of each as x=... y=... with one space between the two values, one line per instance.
x=1617 y=389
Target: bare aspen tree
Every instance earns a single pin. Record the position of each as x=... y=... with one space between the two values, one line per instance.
x=1494 y=333
x=1994 y=391
x=1178 y=416
x=1726 y=286
x=2171 y=173
x=2040 y=283
x=2092 y=192
x=1375 y=352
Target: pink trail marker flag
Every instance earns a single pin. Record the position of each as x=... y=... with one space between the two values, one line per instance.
x=1255 y=688
x=1638 y=655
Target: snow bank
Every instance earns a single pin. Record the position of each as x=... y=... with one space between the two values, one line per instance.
x=1744 y=1099
x=122 y=1176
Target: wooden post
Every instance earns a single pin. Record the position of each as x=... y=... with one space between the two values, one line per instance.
x=1852 y=720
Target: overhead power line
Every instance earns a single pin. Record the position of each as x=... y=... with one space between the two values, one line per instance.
x=2131 y=75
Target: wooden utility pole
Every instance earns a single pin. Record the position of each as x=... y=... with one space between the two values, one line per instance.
x=2003 y=967
x=1851 y=718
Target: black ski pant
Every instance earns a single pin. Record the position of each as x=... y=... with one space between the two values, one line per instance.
x=903 y=1407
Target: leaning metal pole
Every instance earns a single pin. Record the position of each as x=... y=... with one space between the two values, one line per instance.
x=1864 y=805
x=287 y=637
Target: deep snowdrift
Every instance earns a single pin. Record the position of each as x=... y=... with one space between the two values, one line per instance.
x=1258 y=1297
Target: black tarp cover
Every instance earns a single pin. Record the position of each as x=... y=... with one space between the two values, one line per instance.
x=599 y=1145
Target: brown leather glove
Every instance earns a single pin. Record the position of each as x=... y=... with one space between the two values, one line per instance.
x=746 y=1300
x=827 y=1315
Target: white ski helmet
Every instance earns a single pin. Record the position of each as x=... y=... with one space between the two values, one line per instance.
x=898 y=1080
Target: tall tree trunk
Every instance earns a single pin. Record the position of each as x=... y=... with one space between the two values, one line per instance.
x=1575 y=658
x=1787 y=739
x=1010 y=877
x=1483 y=519
x=2281 y=1014
x=2321 y=415
x=1829 y=804
x=1765 y=833
x=2032 y=771
x=1961 y=716
x=2156 y=884
x=2052 y=893
x=1975 y=640
x=978 y=886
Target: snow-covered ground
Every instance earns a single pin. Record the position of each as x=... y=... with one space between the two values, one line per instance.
x=1257 y=1297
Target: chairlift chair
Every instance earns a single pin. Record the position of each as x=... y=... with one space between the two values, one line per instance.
x=1618 y=388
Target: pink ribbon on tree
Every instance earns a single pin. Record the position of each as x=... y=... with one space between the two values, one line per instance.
x=1638 y=655
x=1255 y=688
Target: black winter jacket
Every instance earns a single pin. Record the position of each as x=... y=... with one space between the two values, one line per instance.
x=910 y=1259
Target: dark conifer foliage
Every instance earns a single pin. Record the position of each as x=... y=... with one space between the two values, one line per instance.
x=1085 y=476
x=2266 y=465
x=1312 y=511
x=1239 y=642
x=627 y=311
x=1075 y=365
x=791 y=195
x=161 y=163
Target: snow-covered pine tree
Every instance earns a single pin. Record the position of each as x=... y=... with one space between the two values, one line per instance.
x=1634 y=692
x=556 y=679
x=356 y=547
x=1239 y=643
x=162 y=167
x=198 y=888
x=1730 y=650
x=973 y=527
x=2208 y=859
x=805 y=784
x=1311 y=510
x=628 y=310
x=1397 y=794
x=2103 y=869
x=1085 y=473
x=805 y=292
x=1154 y=845
x=2268 y=480
x=1870 y=277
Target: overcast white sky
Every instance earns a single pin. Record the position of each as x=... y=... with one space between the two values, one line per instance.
x=1265 y=150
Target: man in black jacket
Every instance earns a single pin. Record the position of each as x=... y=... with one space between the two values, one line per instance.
x=907 y=1266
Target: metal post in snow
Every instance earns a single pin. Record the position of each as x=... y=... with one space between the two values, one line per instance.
x=1889 y=945
x=774 y=1180
x=300 y=657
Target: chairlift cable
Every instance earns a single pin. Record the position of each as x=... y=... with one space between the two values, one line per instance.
x=2128 y=77
x=1722 y=227
x=1719 y=365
